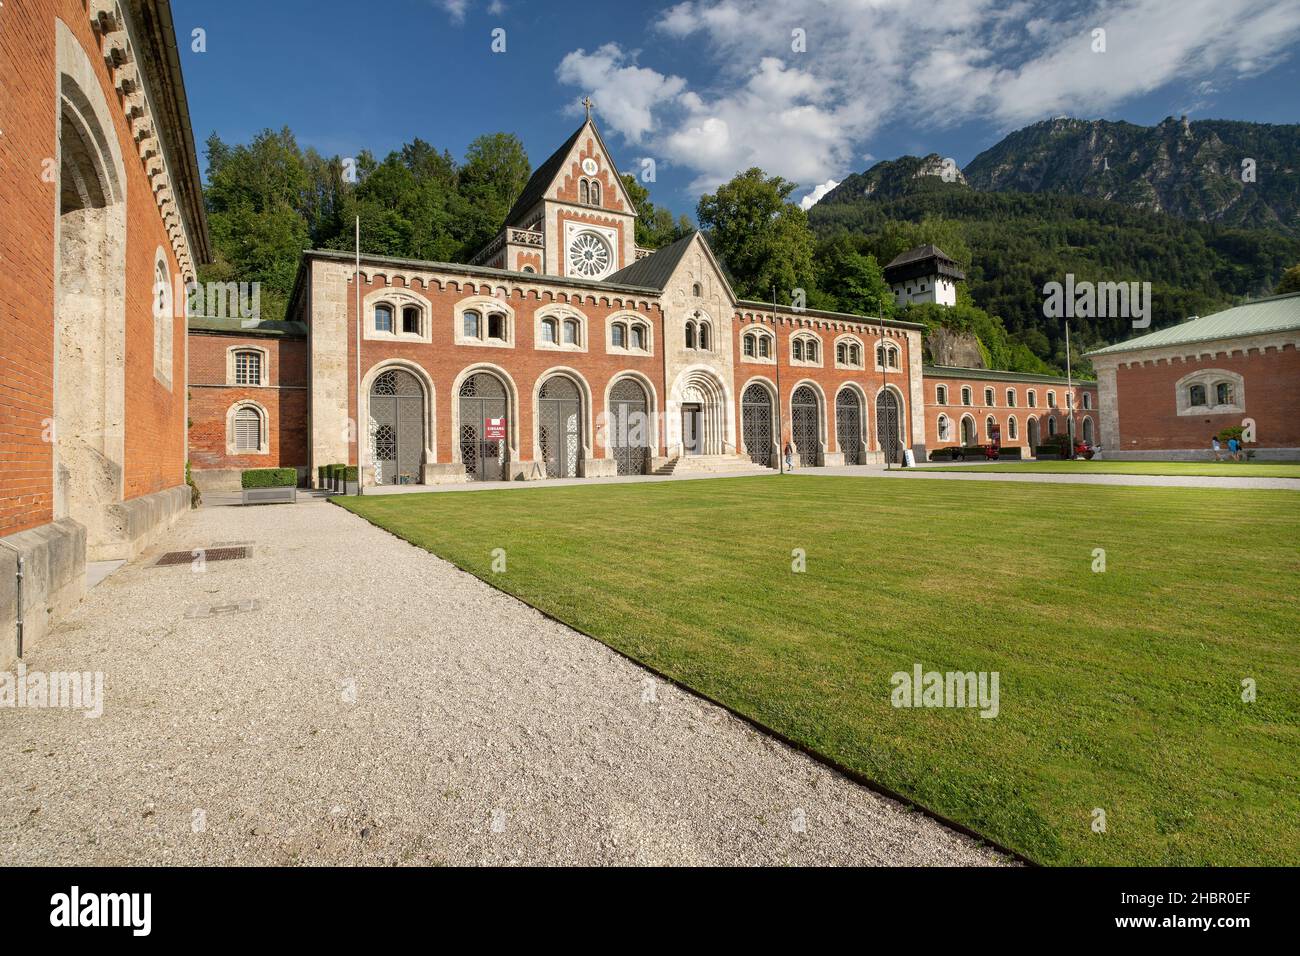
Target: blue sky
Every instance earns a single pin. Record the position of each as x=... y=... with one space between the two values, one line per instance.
x=810 y=89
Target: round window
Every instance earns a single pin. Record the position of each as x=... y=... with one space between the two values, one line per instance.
x=589 y=255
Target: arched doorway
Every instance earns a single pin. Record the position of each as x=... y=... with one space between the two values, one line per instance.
x=805 y=425
x=482 y=397
x=968 y=436
x=756 y=423
x=396 y=427
x=559 y=426
x=848 y=425
x=887 y=424
x=1087 y=430
x=629 y=428
x=703 y=403
x=1033 y=433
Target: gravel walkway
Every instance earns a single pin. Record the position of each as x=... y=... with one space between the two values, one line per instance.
x=379 y=706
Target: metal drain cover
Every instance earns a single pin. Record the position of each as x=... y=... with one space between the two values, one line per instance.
x=205 y=554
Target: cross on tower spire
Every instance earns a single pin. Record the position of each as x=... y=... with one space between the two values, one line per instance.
x=586 y=101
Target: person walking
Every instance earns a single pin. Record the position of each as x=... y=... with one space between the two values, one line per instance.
x=1232 y=449
x=1218 y=451
x=789 y=456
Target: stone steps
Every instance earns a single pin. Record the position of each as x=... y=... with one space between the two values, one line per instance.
x=713 y=465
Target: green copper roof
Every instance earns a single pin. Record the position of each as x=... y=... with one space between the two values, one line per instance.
x=1278 y=313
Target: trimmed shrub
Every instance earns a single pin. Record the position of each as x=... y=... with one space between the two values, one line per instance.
x=350 y=473
x=269 y=478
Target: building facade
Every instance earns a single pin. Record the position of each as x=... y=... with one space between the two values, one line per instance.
x=924 y=274
x=103 y=214
x=1168 y=393
x=969 y=406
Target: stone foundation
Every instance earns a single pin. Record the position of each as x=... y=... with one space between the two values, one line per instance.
x=138 y=522
x=54 y=580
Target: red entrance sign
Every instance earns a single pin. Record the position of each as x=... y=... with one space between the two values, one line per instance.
x=495 y=429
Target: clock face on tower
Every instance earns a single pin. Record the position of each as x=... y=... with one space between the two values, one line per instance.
x=589 y=166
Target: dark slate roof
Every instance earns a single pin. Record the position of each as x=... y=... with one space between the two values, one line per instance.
x=996 y=375
x=656 y=269
x=238 y=326
x=540 y=179
x=916 y=262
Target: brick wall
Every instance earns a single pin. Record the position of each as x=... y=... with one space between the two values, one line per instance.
x=1002 y=412
x=154 y=426
x=285 y=398
x=1147 y=400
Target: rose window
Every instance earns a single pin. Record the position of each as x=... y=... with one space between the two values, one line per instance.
x=589 y=255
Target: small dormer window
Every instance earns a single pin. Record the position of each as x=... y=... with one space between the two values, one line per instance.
x=696 y=290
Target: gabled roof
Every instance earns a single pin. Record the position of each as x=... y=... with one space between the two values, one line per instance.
x=921 y=261
x=919 y=254
x=1277 y=313
x=540 y=181
x=227 y=325
x=655 y=269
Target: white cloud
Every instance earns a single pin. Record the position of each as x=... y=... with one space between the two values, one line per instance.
x=925 y=63
x=814 y=197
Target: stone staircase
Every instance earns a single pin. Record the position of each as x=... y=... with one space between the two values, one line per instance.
x=710 y=465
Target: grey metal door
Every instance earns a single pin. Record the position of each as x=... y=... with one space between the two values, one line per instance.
x=887 y=424
x=756 y=424
x=804 y=425
x=397 y=424
x=630 y=428
x=559 y=426
x=482 y=396
x=691 y=438
x=848 y=425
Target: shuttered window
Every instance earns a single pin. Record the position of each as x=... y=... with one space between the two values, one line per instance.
x=248 y=429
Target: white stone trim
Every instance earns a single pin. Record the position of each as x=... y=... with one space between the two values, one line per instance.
x=264 y=435
x=430 y=408
x=805 y=335
x=512 y=409
x=398 y=298
x=483 y=305
x=629 y=318
x=1210 y=378
x=559 y=312
x=652 y=397
x=584 y=416
x=264 y=375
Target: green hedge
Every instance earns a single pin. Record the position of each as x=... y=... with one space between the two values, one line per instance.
x=320 y=475
x=269 y=478
x=350 y=473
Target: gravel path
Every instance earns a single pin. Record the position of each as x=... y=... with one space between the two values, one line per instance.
x=380 y=706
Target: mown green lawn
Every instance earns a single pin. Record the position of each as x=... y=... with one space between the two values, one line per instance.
x=1217 y=469
x=1119 y=691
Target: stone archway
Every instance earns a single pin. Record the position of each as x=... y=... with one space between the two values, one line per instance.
x=700 y=424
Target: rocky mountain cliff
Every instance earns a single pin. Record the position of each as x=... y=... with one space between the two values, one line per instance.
x=1232 y=173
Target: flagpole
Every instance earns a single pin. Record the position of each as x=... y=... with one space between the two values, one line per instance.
x=776 y=348
x=356 y=430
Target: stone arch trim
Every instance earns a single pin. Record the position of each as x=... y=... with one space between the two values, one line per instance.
x=770 y=387
x=430 y=408
x=823 y=416
x=512 y=403
x=866 y=414
x=720 y=430
x=264 y=442
x=233 y=350
x=584 y=389
x=904 y=419
x=652 y=398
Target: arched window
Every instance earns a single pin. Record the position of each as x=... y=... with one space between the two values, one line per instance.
x=1013 y=429
x=411 y=320
x=1051 y=398
x=989 y=425
x=842 y=353
x=1033 y=398
x=704 y=336
x=810 y=350
x=968 y=436
x=855 y=355
x=989 y=397
x=248 y=367
x=941 y=394
x=496 y=326
x=690 y=335
x=548 y=331
x=1196 y=395
x=798 y=350
x=473 y=324
x=750 y=345
x=639 y=337
x=248 y=428
x=595 y=193
x=383 y=318
x=163 y=322
x=945 y=428
x=529 y=269
x=1051 y=425
x=1011 y=398
x=618 y=335
x=1087 y=400
x=764 y=346
x=696 y=290
x=887 y=356
x=571 y=332
x=1087 y=430
x=584 y=195
x=965 y=394
x=1223 y=394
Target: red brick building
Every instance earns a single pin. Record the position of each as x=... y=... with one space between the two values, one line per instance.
x=1166 y=394
x=103 y=217
x=967 y=406
x=249 y=389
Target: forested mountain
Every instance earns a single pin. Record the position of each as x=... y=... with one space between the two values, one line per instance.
x=1244 y=175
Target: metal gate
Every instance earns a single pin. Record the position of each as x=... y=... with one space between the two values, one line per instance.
x=887 y=424
x=559 y=430
x=804 y=425
x=482 y=396
x=756 y=424
x=630 y=428
x=397 y=427
x=848 y=425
